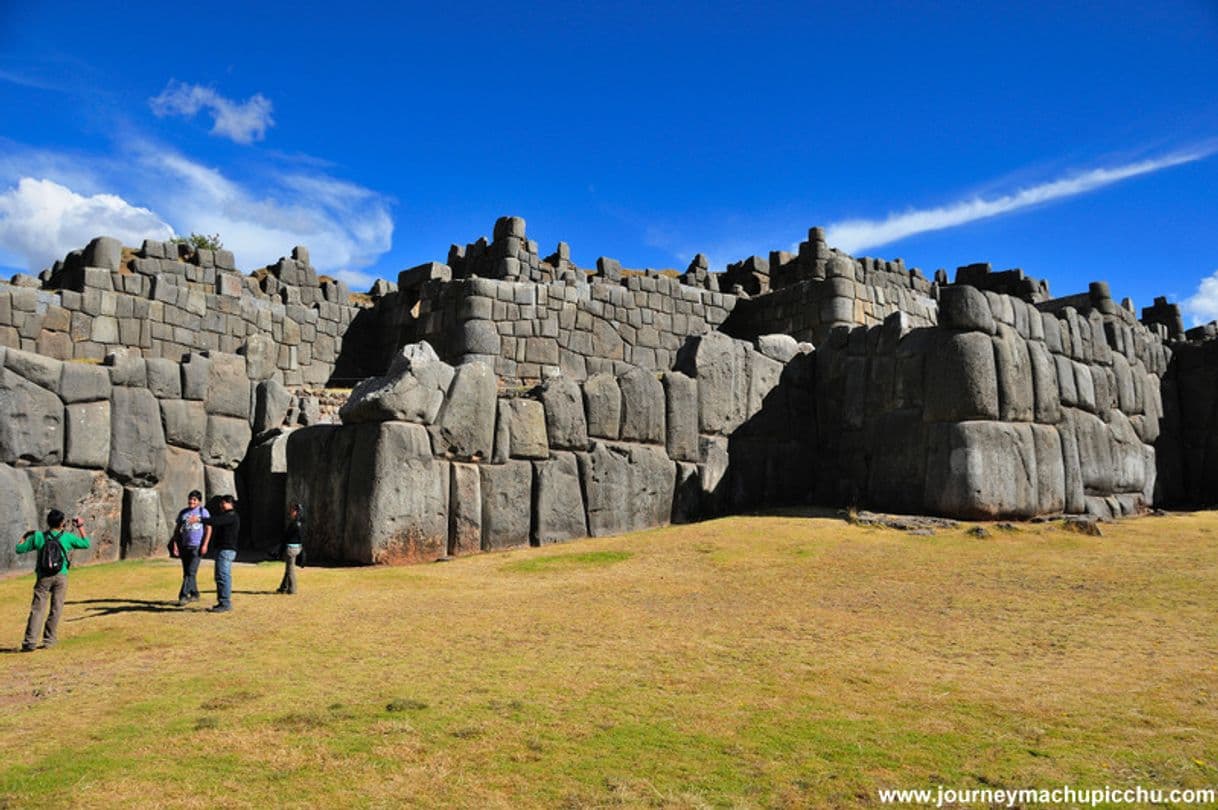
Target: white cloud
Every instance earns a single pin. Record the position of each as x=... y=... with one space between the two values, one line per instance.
x=41 y=220
x=243 y=122
x=347 y=227
x=1202 y=306
x=858 y=234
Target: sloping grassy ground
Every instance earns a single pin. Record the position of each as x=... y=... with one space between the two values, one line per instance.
x=745 y=662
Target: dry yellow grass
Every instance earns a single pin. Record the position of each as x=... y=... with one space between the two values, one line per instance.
x=745 y=662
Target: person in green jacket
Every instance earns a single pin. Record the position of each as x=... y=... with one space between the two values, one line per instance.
x=49 y=585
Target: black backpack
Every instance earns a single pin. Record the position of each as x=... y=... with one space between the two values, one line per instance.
x=51 y=557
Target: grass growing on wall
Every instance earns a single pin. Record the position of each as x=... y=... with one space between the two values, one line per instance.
x=743 y=662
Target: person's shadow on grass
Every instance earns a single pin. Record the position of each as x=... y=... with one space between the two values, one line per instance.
x=111 y=607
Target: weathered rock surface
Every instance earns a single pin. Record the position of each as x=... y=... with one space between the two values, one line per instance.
x=412 y=391
x=137 y=440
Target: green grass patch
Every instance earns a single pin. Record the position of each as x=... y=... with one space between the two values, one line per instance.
x=562 y=562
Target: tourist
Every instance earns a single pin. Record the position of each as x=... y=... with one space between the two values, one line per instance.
x=293 y=544
x=227 y=530
x=191 y=539
x=51 y=570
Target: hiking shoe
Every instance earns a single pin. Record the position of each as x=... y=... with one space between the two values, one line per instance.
x=182 y=602
x=27 y=649
x=219 y=609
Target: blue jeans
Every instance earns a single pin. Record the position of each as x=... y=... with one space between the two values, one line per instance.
x=224 y=577
x=190 y=568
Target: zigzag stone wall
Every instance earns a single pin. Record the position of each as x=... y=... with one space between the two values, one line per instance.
x=560 y=402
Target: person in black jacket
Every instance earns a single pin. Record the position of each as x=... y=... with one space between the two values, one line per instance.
x=293 y=543
x=226 y=531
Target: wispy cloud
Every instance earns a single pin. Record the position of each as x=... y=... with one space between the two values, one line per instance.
x=858 y=234
x=1202 y=306
x=243 y=122
x=56 y=202
x=41 y=220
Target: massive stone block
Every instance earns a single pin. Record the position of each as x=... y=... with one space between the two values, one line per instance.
x=397 y=496
x=681 y=416
x=1094 y=452
x=1050 y=470
x=226 y=441
x=966 y=308
x=506 y=504
x=264 y=503
x=642 y=407
x=318 y=468
x=412 y=391
x=1046 y=395
x=185 y=422
x=137 y=440
x=1014 y=370
x=271 y=404
x=85 y=493
x=1074 y=492
x=721 y=366
x=961 y=379
x=80 y=382
x=465 y=427
x=31 y=422
x=183 y=472
x=44 y=372
x=566 y=424
x=981 y=470
x=603 y=400
x=897 y=473
x=87 y=435
x=144 y=531
x=628 y=487
x=558 y=503
x=527 y=428
x=17 y=516
x=228 y=387
x=164 y=378
x=465 y=509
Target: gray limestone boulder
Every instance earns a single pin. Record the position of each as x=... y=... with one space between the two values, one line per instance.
x=687 y=494
x=185 y=422
x=82 y=382
x=566 y=425
x=1013 y=365
x=412 y=391
x=965 y=308
x=642 y=407
x=721 y=367
x=17 y=516
x=164 y=378
x=603 y=403
x=137 y=440
x=558 y=503
x=1094 y=453
x=218 y=482
x=1045 y=393
x=465 y=509
x=44 y=372
x=261 y=357
x=228 y=387
x=88 y=494
x=87 y=435
x=226 y=441
x=681 y=416
x=31 y=422
x=1073 y=493
x=465 y=427
x=897 y=473
x=764 y=376
x=271 y=404
x=144 y=530
x=506 y=504
x=397 y=507
x=183 y=472
x=961 y=379
x=1050 y=470
x=778 y=347
x=527 y=429
x=981 y=471
x=628 y=487
x=127 y=370
x=105 y=252
x=196 y=374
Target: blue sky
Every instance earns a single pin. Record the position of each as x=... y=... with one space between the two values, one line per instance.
x=1076 y=140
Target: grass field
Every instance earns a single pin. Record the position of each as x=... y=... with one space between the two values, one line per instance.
x=745 y=662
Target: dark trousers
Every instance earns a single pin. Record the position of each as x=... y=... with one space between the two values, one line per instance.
x=288 y=585
x=190 y=570
x=46 y=589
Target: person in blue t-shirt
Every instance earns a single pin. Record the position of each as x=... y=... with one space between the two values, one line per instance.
x=192 y=537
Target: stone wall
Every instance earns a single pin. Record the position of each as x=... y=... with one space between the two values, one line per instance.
x=433 y=459
x=122 y=444
x=164 y=302
x=1002 y=410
